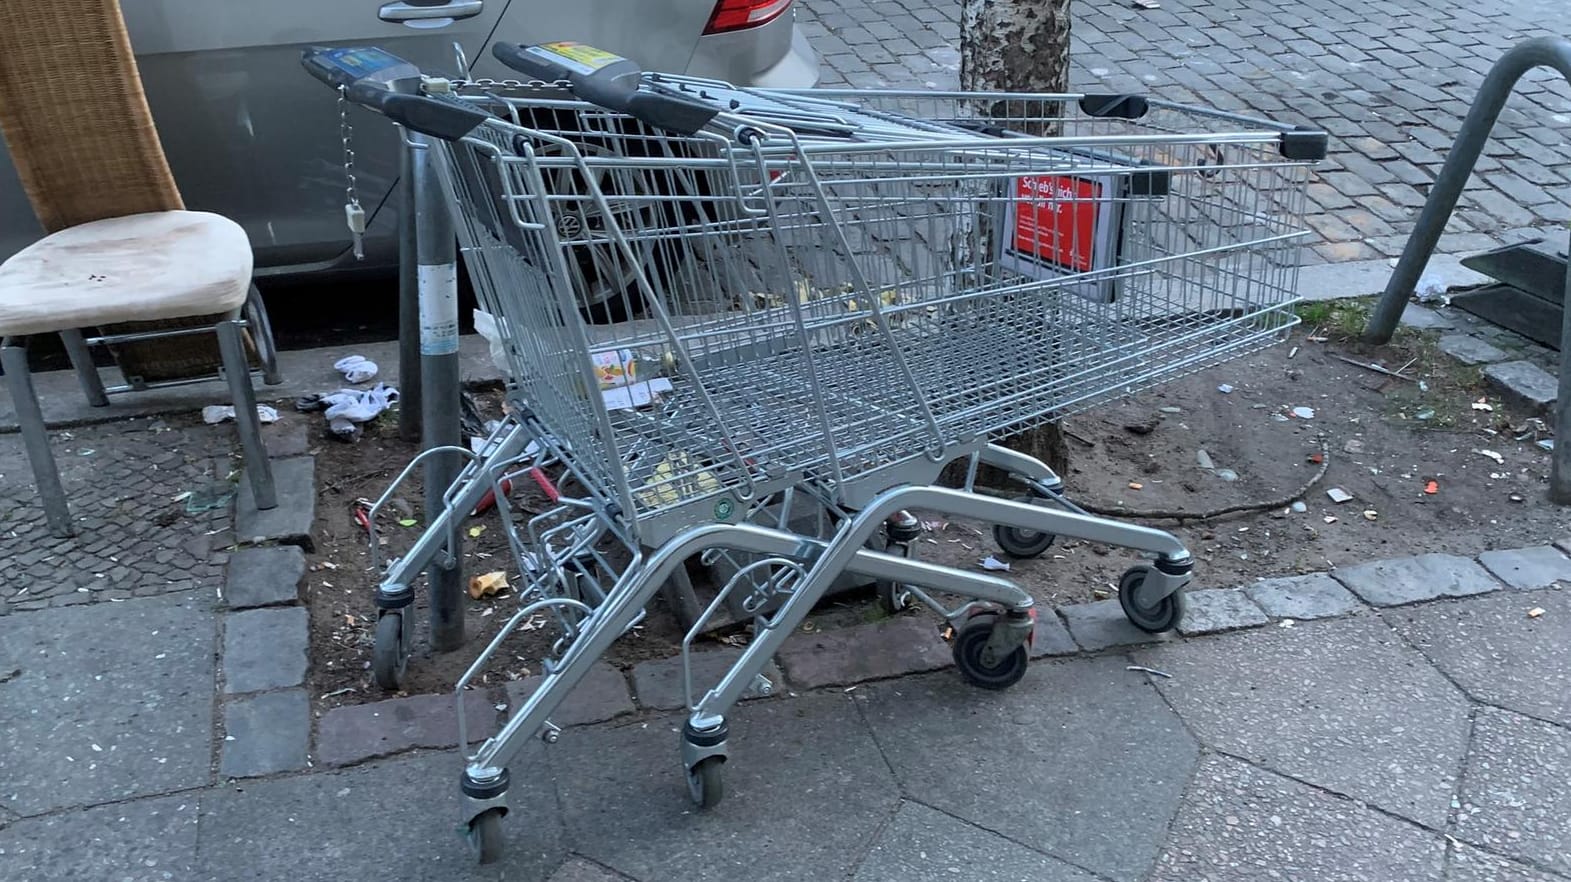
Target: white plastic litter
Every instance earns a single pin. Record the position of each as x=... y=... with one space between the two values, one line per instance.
x=355 y=368
x=1431 y=290
x=992 y=563
x=635 y=395
x=359 y=405
x=486 y=327
x=218 y=413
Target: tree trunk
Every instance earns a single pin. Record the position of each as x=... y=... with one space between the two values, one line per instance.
x=1018 y=46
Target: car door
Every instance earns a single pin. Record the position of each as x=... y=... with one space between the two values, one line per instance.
x=251 y=135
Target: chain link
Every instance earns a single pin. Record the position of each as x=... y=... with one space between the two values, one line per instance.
x=346 y=132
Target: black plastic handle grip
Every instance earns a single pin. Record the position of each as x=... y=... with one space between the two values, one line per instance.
x=606 y=80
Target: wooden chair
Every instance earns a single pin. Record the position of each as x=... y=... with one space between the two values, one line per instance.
x=167 y=291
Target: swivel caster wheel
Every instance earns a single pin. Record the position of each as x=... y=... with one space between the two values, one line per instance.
x=704 y=782
x=388 y=661
x=1154 y=617
x=1019 y=543
x=981 y=666
x=900 y=535
x=485 y=836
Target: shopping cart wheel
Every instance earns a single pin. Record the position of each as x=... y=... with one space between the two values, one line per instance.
x=387 y=653
x=1016 y=542
x=979 y=665
x=485 y=836
x=704 y=783
x=1163 y=615
x=895 y=597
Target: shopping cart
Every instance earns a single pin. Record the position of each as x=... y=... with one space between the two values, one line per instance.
x=714 y=301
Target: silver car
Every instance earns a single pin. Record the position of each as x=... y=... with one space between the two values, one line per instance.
x=251 y=136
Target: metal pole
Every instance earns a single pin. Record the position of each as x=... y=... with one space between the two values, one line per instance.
x=440 y=384
x=408 y=300
x=1552 y=52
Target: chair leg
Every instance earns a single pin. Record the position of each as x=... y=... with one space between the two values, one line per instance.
x=237 y=372
x=35 y=437
x=86 y=373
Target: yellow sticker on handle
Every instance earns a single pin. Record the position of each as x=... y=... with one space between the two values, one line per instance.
x=585 y=59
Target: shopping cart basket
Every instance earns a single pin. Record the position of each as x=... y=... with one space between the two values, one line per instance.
x=833 y=294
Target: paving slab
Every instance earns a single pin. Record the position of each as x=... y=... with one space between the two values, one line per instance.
x=265 y=649
x=111 y=701
x=1470 y=350
x=1341 y=704
x=1514 y=798
x=358 y=732
x=1102 y=624
x=1525 y=383
x=1527 y=568
x=1240 y=823
x=395 y=819
x=920 y=843
x=658 y=683
x=1051 y=636
x=790 y=812
x=1315 y=596
x=1081 y=760
x=266 y=576
x=1219 y=609
x=1425 y=319
x=580 y=870
x=148 y=840
x=265 y=733
x=1412 y=579
x=892 y=647
x=1495 y=651
x=600 y=696
x=290 y=522
x=1468 y=864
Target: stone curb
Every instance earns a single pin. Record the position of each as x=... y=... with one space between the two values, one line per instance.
x=905 y=645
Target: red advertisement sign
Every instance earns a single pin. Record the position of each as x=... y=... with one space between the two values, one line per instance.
x=1055 y=219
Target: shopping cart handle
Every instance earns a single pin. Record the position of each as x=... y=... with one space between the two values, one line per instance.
x=605 y=80
x=381 y=81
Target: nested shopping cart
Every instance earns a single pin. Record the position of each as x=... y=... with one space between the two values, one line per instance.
x=715 y=303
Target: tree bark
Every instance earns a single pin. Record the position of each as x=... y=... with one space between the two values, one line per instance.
x=1018 y=46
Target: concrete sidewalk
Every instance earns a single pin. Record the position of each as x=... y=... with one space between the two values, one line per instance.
x=1391 y=741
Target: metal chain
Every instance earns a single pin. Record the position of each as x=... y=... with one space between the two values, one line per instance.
x=346 y=132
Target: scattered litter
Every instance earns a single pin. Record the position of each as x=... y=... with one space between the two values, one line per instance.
x=1423 y=386
x=1338 y=495
x=1152 y=671
x=1317 y=458
x=487 y=584
x=1432 y=290
x=355 y=368
x=1491 y=454
x=337 y=692
x=1172 y=410
x=1227 y=474
x=1427 y=413
x=1353 y=445
x=1535 y=612
x=635 y=395
x=1377 y=368
x=934 y=526
x=1304 y=413
x=1204 y=459
x=1371 y=515
x=1292 y=352
x=1517 y=497
x=209 y=497
x=1330 y=519
x=1224 y=388
x=213 y=414
x=1546 y=443
x=992 y=563
x=1286 y=623
x=1146 y=4
x=1100 y=594
x=1298 y=507
x=408 y=522
x=1136 y=485
x=1484 y=405
x=1279 y=417
x=1431 y=487
x=476 y=530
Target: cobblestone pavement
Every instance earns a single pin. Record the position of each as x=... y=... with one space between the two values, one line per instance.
x=134 y=538
x=1390 y=81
